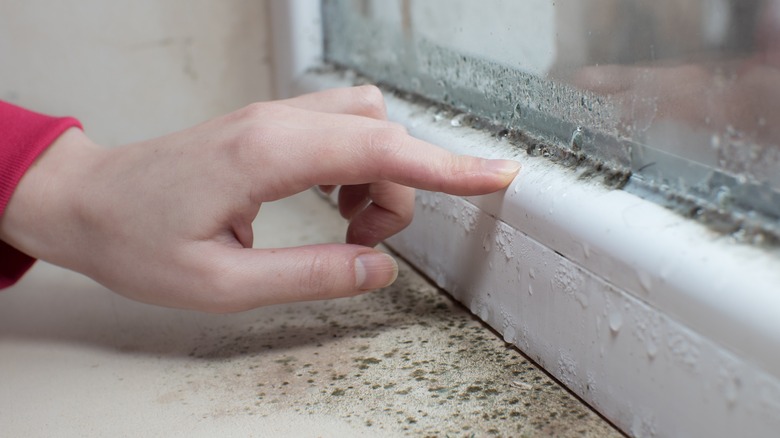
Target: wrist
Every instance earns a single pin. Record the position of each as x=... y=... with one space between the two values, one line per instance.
x=40 y=216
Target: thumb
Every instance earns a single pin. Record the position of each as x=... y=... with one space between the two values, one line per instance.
x=262 y=277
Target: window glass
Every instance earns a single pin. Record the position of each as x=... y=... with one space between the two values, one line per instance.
x=678 y=101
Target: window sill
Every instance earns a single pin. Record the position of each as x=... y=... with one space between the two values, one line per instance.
x=661 y=325
x=640 y=312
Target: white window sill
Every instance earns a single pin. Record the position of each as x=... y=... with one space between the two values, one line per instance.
x=661 y=325
x=642 y=313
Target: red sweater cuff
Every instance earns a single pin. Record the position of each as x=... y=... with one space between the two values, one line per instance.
x=24 y=135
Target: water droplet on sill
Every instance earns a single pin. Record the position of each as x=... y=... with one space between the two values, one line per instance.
x=652 y=348
x=723 y=197
x=645 y=281
x=576 y=139
x=715 y=141
x=731 y=390
x=517 y=111
x=457 y=121
x=510 y=335
x=615 y=321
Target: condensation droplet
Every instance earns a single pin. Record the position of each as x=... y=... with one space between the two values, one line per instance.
x=457 y=121
x=731 y=390
x=666 y=271
x=582 y=299
x=652 y=348
x=441 y=280
x=586 y=249
x=532 y=272
x=576 y=139
x=510 y=335
x=715 y=141
x=645 y=281
x=723 y=197
x=615 y=321
x=530 y=290
x=518 y=110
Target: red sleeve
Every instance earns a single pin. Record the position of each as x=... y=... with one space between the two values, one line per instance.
x=23 y=136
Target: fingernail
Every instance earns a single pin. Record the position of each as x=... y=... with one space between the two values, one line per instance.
x=375 y=270
x=502 y=167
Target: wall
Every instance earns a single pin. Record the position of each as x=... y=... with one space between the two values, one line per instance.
x=134 y=70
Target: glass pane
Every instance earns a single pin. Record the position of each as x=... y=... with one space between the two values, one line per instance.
x=682 y=96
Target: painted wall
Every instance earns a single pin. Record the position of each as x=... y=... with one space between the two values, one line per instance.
x=131 y=70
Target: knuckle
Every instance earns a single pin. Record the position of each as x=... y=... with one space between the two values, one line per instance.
x=405 y=217
x=254 y=128
x=370 y=92
x=399 y=128
x=254 y=111
x=240 y=153
x=371 y=99
x=316 y=277
x=400 y=219
x=387 y=139
x=459 y=165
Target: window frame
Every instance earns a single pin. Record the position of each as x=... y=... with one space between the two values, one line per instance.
x=698 y=330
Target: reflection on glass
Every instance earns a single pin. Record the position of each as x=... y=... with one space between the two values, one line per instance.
x=683 y=94
x=690 y=76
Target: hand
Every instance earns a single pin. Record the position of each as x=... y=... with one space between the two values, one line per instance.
x=168 y=221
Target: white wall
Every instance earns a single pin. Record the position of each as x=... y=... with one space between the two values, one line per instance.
x=131 y=70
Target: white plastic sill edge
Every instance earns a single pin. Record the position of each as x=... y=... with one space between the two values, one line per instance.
x=664 y=327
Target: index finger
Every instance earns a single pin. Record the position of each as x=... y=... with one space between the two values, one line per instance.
x=338 y=149
x=364 y=100
x=416 y=163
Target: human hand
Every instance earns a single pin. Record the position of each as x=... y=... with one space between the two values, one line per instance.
x=168 y=221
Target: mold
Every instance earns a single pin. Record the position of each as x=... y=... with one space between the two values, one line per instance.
x=429 y=368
